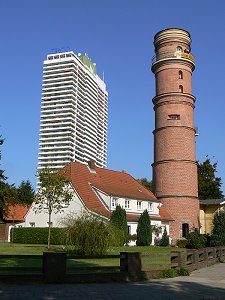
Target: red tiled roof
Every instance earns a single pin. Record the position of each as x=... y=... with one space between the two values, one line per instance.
x=113 y=183
x=16 y=212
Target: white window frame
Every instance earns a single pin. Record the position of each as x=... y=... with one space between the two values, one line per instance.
x=150 y=206
x=114 y=202
x=139 y=205
x=127 y=203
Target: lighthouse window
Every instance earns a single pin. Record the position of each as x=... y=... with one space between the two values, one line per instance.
x=179 y=49
x=181 y=89
x=180 y=75
x=174 y=117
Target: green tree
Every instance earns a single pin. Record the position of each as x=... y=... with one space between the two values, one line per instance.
x=25 y=193
x=144 y=230
x=209 y=186
x=119 y=220
x=53 y=194
x=2 y=176
x=165 y=238
x=8 y=192
x=218 y=232
x=146 y=183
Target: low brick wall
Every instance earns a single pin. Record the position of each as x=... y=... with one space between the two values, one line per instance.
x=195 y=259
x=54 y=269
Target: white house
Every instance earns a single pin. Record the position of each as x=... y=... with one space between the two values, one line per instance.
x=100 y=190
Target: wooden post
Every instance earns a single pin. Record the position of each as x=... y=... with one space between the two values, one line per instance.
x=54 y=266
x=196 y=259
x=130 y=263
x=181 y=260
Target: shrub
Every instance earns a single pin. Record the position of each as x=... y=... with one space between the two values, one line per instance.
x=173 y=273
x=165 y=239
x=183 y=272
x=218 y=232
x=144 y=230
x=181 y=243
x=119 y=220
x=196 y=240
x=88 y=234
x=132 y=237
x=36 y=235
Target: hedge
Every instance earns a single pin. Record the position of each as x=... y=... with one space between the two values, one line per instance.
x=36 y=235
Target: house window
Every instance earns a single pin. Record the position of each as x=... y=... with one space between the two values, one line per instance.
x=180 y=75
x=181 y=90
x=173 y=117
x=127 y=203
x=139 y=204
x=129 y=229
x=32 y=224
x=150 y=206
x=114 y=202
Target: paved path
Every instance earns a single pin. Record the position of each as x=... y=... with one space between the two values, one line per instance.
x=207 y=283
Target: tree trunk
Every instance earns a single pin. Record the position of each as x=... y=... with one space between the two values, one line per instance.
x=49 y=229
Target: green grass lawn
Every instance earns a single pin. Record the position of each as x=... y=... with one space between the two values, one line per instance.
x=84 y=265
x=10 y=248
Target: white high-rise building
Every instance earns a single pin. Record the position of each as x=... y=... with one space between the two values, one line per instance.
x=74 y=112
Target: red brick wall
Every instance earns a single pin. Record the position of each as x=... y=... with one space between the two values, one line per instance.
x=183 y=210
x=167 y=78
x=4 y=229
x=174 y=167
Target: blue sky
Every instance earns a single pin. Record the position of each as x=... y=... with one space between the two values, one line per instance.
x=118 y=36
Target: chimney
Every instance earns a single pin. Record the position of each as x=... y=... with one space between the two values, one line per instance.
x=91 y=164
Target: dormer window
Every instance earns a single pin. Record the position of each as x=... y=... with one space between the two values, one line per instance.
x=173 y=117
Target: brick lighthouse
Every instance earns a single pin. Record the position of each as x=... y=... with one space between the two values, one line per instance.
x=175 y=168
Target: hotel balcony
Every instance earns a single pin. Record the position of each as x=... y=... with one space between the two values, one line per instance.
x=164 y=56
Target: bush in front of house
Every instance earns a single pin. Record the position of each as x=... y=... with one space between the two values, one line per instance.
x=119 y=220
x=196 y=240
x=165 y=239
x=218 y=232
x=132 y=237
x=35 y=235
x=144 y=230
x=87 y=234
x=181 y=243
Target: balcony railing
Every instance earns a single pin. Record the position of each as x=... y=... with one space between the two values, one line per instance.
x=177 y=54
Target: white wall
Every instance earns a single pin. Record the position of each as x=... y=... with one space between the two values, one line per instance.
x=133 y=206
x=41 y=219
